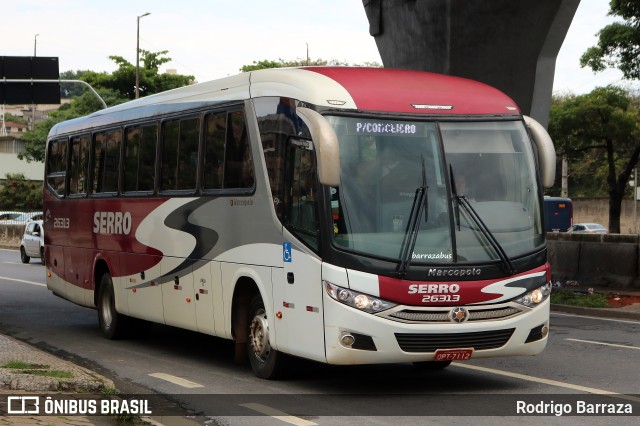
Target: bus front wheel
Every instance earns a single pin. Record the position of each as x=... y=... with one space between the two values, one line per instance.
x=266 y=362
x=111 y=322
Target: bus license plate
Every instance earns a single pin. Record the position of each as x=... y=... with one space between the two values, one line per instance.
x=453 y=354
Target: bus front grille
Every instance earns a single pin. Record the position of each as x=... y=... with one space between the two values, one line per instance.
x=482 y=340
x=442 y=315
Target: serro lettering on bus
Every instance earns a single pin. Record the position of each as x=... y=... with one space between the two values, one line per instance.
x=110 y=223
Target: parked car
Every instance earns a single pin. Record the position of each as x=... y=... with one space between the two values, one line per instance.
x=588 y=228
x=22 y=218
x=32 y=243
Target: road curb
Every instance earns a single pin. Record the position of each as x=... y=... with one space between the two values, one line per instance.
x=631 y=312
x=82 y=380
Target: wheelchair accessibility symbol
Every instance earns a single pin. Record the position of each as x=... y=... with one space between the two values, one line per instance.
x=286 y=252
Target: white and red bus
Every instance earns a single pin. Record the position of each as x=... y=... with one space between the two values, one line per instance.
x=343 y=215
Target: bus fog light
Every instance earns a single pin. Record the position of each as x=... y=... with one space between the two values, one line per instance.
x=347 y=340
x=545 y=331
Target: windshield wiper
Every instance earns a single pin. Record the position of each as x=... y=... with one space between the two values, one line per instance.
x=462 y=200
x=420 y=205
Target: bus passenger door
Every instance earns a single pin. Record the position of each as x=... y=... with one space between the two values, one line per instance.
x=298 y=291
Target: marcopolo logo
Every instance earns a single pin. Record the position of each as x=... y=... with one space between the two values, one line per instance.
x=454 y=272
x=112 y=223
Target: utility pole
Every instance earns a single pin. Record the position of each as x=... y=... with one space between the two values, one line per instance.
x=138 y=54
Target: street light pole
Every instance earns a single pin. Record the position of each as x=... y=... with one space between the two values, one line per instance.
x=35 y=43
x=138 y=55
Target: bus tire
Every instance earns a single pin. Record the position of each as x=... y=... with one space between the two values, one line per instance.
x=431 y=365
x=112 y=324
x=265 y=361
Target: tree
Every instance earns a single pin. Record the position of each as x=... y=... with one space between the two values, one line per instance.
x=281 y=63
x=601 y=127
x=122 y=81
x=618 y=43
x=20 y=194
x=83 y=105
x=14 y=119
x=114 y=88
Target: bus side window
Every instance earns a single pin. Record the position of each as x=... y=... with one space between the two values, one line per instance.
x=78 y=165
x=227 y=161
x=57 y=166
x=215 y=130
x=238 y=170
x=179 y=154
x=139 y=158
x=106 y=159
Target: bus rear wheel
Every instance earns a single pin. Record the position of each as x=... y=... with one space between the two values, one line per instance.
x=112 y=324
x=266 y=362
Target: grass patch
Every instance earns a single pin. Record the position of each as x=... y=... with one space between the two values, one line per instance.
x=58 y=374
x=18 y=365
x=22 y=367
x=569 y=297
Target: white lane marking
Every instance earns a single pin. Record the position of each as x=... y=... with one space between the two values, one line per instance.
x=177 y=380
x=603 y=343
x=549 y=382
x=23 y=281
x=277 y=414
x=597 y=318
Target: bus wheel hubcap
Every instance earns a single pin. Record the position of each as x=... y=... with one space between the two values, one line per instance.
x=259 y=335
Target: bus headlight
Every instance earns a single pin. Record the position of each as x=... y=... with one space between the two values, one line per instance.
x=536 y=296
x=361 y=301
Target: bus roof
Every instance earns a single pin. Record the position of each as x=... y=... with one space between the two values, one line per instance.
x=350 y=88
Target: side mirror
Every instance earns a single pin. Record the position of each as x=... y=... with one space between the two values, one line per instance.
x=546 y=151
x=326 y=143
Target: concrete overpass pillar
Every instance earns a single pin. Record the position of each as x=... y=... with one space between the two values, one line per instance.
x=509 y=44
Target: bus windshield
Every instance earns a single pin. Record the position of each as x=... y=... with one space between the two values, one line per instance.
x=490 y=164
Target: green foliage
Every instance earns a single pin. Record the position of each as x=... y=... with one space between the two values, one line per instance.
x=122 y=81
x=281 y=63
x=14 y=119
x=20 y=194
x=114 y=88
x=599 y=133
x=23 y=367
x=618 y=43
x=569 y=297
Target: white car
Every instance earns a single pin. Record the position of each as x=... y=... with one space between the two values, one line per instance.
x=32 y=244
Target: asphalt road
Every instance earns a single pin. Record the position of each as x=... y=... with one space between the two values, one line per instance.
x=586 y=358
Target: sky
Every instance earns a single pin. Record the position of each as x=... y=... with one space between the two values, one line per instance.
x=210 y=39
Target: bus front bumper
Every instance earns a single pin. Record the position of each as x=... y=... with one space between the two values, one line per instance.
x=381 y=340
